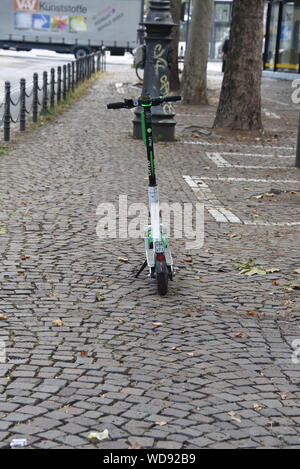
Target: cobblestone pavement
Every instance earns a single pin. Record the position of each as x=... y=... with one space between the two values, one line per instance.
x=213 y=364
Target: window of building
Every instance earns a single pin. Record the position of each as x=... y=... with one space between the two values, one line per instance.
x=272 y=37
x=288 y=54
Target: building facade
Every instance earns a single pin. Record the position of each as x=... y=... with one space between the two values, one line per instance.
x=220 y=27
x=282 y=38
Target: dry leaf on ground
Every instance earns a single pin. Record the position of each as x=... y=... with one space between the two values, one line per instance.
x=251 y=313
x=239 y=335
x=3 y=317
x=257 y=406
x=234 y=417
x=57 y=322
x=122 y=259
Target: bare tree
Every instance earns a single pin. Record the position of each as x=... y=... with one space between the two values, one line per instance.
x=194 y=79
x=174 y=72
x=240 y=101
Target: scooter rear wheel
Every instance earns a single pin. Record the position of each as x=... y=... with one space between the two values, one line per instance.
x=162 y=277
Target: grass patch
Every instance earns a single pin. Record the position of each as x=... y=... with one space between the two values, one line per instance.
x=63 y=105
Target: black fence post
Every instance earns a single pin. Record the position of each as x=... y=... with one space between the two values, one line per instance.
x=45 y=94
x=7 y=112
x=58 y=84
x=64 y=82
x=73 y=75
x=52 y=88
x=35 y=97
x=98 y=61
x=22 y=105
x=297 y=163
x=69 y=77
x=77 y=72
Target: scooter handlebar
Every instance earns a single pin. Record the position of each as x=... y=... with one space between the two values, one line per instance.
x=130 y=103
x=115 y=105
x=172 y=98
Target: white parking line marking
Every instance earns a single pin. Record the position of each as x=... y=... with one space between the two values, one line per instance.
x=224 y=144
x=233 y=179
x=256 y=155
x=212 y=204
x=220 y=162
x=217 y=209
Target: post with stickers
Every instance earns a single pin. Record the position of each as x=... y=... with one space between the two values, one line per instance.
x=159 y=24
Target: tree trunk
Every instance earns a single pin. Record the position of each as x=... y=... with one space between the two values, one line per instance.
x=174 y=72
x=240 y=101
x=194 y=81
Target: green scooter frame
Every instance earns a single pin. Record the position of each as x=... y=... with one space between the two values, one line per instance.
x=158 y=256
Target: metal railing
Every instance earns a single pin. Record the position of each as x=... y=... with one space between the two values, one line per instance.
x=36 y=100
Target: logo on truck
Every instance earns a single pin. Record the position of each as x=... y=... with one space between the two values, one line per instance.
x=25 y=5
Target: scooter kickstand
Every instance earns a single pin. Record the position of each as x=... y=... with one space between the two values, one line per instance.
x=141 y=269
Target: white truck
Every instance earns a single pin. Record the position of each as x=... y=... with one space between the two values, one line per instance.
x=69 y=26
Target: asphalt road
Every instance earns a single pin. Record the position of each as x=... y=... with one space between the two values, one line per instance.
x=16 y=65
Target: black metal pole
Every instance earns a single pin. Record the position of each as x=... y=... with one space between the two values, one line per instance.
x=58 y=84
x=52 y=88
x=159 y=24
x=73 y=76
x=45 y=94
x=7 y=112
x=64 y=82
x=297 y=163
x=35 y=97
x=22 y=105
x=69 y=77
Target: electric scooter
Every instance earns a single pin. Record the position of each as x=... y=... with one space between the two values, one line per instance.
x=158 y=256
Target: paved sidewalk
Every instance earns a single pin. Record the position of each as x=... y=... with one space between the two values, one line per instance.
x=208 y=366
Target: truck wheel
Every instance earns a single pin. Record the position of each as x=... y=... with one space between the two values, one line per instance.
x=81 y=52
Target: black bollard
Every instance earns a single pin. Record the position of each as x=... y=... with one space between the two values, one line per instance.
x=45 y=94
x=22 y=105
x=64 y=82
x=35 y=98
x=52 y=88
x=58 y=84
x=297 y=163
x=6 y=117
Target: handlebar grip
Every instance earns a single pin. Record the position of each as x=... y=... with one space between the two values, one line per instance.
x=172 y=98
x=115 y=105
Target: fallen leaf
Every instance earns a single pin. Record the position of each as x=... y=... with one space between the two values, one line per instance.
x=3 y=317
x=98 y=435
x=100 y=170
x=251 y=313
x=239 y=335
x=275 y=284
x=295 y=287
x=57 y=322
x=83 y=354
x=297 y=271
x=176 y=348
x=194 y=135
x=24 y=258
x=161 y=423
x=122 y=259
x=157 y=323
x=99 y=296
x=135 y=446
x=120 y=320
x=257 y=406
x=3 y=231
x=134 y=326
x=234 y=417
x=284 y=397
x=188 y=260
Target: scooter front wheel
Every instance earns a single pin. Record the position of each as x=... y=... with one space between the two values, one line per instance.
x=162 y=276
